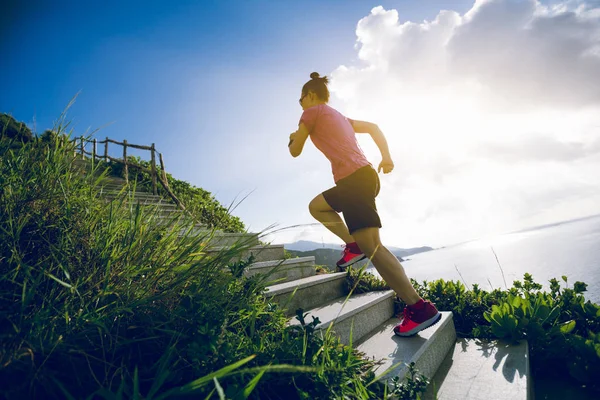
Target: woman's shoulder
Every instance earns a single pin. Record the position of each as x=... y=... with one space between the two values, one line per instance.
x=333 y=112
x=321 y=110
x=327 y=109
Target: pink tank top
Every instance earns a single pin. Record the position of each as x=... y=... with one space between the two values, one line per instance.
x=333 y=135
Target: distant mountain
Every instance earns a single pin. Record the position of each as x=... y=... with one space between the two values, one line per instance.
x=329 y=253
x=306 y=245
x=409 y=252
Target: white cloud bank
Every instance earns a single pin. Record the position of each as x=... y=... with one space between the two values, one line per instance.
x=493 y=117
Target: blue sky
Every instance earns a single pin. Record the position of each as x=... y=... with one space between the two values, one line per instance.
x=214 y=84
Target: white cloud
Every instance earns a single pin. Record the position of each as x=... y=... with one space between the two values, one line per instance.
x=524 y=54
x=493 y=117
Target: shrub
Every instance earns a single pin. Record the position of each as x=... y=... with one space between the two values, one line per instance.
x=359 y=281
x=13 y=130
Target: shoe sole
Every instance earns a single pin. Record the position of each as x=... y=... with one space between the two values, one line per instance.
x=426 y=324
x=354 y=260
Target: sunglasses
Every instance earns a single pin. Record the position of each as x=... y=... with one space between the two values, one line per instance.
x=302 y=98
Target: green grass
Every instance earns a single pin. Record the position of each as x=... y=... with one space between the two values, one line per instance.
x=99 y=300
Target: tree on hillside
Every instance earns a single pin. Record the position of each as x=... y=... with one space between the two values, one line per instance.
x=10 y=128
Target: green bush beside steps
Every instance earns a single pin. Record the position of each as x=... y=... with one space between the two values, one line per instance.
x=561 y=327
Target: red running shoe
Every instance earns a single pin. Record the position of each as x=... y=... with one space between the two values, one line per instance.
x=350 y=255
x=416 y=319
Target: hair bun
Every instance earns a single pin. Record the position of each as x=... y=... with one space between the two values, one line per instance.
x=314 y=75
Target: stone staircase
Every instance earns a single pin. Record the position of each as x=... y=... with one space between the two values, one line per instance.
x=365 y=320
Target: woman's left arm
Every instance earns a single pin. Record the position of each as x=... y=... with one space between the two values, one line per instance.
x=297 y=140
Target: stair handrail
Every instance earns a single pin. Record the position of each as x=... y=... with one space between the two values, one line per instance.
x=162 y=177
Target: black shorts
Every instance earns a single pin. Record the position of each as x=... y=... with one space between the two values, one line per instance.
x=354 y=196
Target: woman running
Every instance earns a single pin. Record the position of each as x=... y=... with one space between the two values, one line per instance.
x=356 y=186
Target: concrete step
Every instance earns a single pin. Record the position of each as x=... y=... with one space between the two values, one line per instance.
x=286 y=270
x=223 y=239
x=171 y=219
x=110 y=188
x=165 y=214
x=119 y=183
x=477 y=369
x=164 y=210
x=260 y=252
x=309 y=293
x=427 y=349
x=161 y=215
x=149 y=203
x=216 y=237
x=169 y=213
x=115 y=180
x=355 y=316
x=163 y=207
x=202 y=229
x=114 y=192
x=136 y=195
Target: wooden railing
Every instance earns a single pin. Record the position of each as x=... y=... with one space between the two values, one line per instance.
x=152 y=171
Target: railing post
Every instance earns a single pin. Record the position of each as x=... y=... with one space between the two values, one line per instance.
x=94 y=152
x=153 y=168
x=162 y=167
x=82 y=149
x=126 y=170
x=106 y=150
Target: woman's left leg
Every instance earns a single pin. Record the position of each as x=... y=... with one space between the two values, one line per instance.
x=322 y=212
x=325 y=214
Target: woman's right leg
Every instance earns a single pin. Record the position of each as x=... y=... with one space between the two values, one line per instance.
x=387 y=264
x=418 y=314
x=322 y=211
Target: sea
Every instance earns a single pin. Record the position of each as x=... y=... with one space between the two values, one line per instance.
x=570 y=249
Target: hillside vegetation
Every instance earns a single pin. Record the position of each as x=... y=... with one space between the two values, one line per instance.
x=100 y=300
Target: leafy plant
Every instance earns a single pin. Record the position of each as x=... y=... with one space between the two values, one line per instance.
x=322 y=269
x=287 y=255
x=413 y=386
x=360 y=281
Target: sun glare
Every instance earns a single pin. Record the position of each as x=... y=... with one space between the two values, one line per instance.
x=437 y=122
